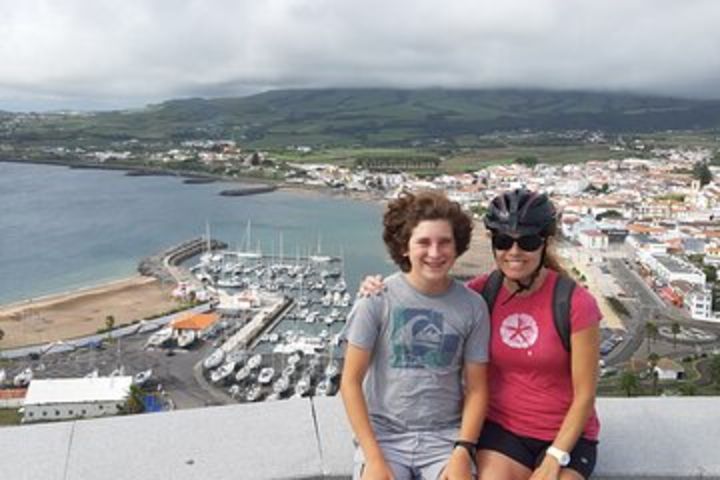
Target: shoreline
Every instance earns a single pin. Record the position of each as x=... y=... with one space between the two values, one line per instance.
x=83 y=311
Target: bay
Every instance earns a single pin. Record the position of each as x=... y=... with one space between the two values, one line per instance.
x=62 y=228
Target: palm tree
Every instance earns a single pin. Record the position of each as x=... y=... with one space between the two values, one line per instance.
x=715 y=371
x=134 y=402
x=629 y=382
x=688 y=389
x=2 y=334
x=652 y=363
x=651 y=333
x=675 y=328
x=109 y=324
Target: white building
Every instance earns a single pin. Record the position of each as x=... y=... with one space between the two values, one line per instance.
x=69 y=398
x=594 y=239
x=667 y=369
x=699 y=303
x=672 y=269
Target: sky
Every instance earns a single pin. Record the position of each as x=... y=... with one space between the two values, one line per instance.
x=110 y=54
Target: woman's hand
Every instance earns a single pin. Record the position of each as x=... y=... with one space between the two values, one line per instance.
x=371 y=285
x=377 y=471
x=549 y=469
x=459 y=466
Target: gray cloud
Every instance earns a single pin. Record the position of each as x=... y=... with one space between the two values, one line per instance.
x=105 y=54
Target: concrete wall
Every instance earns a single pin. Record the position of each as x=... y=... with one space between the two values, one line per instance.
x=64 y=411
x=651 y=438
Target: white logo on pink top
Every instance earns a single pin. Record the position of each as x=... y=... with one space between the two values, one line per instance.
x=519 y=330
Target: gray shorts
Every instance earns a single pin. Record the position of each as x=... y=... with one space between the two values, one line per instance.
x=412 y=455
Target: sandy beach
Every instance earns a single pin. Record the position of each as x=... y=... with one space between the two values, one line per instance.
x=83 y=312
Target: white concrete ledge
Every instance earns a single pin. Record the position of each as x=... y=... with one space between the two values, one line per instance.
x=649 y=438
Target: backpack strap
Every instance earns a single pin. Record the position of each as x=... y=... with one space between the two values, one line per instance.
x=562 y=295
x=491 y=289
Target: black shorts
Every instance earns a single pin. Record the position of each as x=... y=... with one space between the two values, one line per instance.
x=530 y=451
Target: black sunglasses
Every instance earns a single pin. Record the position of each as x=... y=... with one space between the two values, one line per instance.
x=528 y=243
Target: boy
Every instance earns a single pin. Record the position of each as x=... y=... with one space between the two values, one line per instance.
x=416 y=418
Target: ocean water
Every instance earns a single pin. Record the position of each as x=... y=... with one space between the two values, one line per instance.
x=62 y=228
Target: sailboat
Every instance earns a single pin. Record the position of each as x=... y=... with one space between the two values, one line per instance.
x=319 y=257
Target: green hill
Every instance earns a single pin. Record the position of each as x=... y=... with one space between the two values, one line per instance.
x=375 y=117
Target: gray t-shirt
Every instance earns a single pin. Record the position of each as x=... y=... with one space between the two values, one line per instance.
x=419 y=344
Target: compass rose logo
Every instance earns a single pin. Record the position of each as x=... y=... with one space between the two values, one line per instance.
x=519 y=330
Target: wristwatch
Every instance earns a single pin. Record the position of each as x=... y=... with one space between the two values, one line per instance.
x=471 y=447
x=561 y=456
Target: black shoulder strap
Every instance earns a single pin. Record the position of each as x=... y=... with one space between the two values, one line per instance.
x=562 y=294
x=491 y=288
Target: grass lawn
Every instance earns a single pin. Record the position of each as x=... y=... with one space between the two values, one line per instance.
x=9 y=416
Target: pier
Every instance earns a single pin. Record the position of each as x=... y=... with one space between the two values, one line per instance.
x=164 y=266
x=264 y=319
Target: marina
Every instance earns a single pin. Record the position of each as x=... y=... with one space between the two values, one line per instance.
x=280 y=323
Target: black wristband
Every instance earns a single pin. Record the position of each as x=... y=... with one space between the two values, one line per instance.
x=471 y=447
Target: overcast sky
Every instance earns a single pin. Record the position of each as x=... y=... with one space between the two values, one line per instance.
x=101 y=54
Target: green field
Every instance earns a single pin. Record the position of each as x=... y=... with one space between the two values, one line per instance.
x=9 y=416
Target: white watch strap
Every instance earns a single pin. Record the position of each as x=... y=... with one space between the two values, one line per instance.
x=561 y=456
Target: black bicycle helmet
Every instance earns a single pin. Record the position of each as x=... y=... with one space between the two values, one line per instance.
x=523 y=212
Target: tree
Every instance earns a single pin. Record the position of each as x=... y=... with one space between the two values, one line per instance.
x=651 y=333
x=715 y=371
x=527 y=160
x=688 y=389
x=2 y=334
x=134 y=402
x=629 y=383
x=608 y=214
x=710 y=273
x=701 y=172
x=653 y=359
x=675 y=328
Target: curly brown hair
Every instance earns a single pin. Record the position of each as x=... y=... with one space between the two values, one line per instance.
x=404 y=213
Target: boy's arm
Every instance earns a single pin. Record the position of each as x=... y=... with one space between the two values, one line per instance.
x=356 y=365
x=473 y=416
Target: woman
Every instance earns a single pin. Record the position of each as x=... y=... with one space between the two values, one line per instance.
x=541 y=423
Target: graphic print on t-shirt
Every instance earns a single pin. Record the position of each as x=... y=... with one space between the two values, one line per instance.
x=419 y=339
x=519 y=330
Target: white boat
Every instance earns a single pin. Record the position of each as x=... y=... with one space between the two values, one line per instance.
x=242 y=374
x=237 y=356
x=234 y=390
x=254 y=394
x=186 y=338
x=3 y=376
x=93 y=374
x=23 y=378
x=222 y=372
x=289 y=371
x=159 y=338
x=332 y=370
x=324 y=388
x=281 y=385
x=302 y=388
x=308 y=345
x=266 y=375
x=254 y=361
x=214 y=359
x=294 y=358
x=328 y=320
x=141 y=378
x=314 y=365
x=118 y=372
